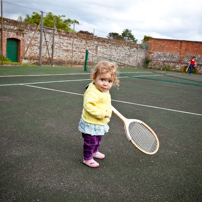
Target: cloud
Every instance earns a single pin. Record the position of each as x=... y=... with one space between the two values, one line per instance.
x=162 y=19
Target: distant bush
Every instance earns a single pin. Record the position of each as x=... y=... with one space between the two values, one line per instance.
x=168 y=68
x=25 y=64
x=147 y=61
x=5 y=59
x=145 y=45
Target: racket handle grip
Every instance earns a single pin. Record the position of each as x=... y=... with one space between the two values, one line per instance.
x=118 y=114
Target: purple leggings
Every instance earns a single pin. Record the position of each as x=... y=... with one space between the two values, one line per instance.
x=90 y=146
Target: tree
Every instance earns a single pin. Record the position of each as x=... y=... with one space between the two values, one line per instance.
x=128 y=33
x=48 y=21
x=20 y=18
x=114 y=35
x=34 y=19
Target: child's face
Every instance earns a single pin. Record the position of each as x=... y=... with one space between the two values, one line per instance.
x=103 y=82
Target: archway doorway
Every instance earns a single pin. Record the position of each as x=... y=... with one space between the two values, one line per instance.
x=12 y=50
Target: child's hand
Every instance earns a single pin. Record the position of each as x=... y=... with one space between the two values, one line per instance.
x=106 y=116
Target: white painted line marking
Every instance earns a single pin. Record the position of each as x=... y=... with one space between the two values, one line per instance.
x=131 y=103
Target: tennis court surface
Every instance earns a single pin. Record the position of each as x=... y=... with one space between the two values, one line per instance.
x=41 y=147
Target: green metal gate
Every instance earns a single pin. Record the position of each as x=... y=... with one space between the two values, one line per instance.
x=12 y=50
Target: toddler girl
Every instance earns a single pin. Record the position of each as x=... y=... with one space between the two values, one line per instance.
x=97 y=110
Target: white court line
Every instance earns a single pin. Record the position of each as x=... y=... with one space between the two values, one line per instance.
x=135 y=72
x=137 y=76
x=42 y=82
x=45 y=75
x=131 y=103
x=70 y=74
x=50 y=89
x=173 y=110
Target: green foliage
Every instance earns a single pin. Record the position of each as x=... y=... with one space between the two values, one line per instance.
x=128 y=34
x=125 y=34
x=147 y=61
x=48 y=21
x=168 y=68
x=4 y=59
x=34 y=19
x=146 y=38
x=25 y=64
x=145 y=45
x=114 y=35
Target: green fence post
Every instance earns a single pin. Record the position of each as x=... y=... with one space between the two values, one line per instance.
x=86 y=61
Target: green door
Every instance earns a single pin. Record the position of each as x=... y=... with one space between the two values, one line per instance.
x=12 y=50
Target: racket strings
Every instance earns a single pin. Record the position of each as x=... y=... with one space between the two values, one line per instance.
x=142 y=137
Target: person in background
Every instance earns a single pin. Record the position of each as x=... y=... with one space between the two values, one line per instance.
x=192 y=64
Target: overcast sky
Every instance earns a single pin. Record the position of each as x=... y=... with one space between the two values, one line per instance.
x=170 y=19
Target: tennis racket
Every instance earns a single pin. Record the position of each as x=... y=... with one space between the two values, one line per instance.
x=139 y=134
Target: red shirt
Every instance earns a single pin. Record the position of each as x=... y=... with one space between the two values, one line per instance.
x=192 y=62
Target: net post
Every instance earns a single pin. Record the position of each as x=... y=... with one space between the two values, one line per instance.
x=86 y=61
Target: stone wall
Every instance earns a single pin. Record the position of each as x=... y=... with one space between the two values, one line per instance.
x=70 y=48
x=174 y=53
x=67 y=45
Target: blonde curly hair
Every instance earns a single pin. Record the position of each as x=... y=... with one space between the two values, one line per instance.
x=104 y=67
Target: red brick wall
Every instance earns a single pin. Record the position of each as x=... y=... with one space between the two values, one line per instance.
x=163 y=52
x=183 y=50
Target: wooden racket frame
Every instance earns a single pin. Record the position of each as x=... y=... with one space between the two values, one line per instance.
x=126 y=123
